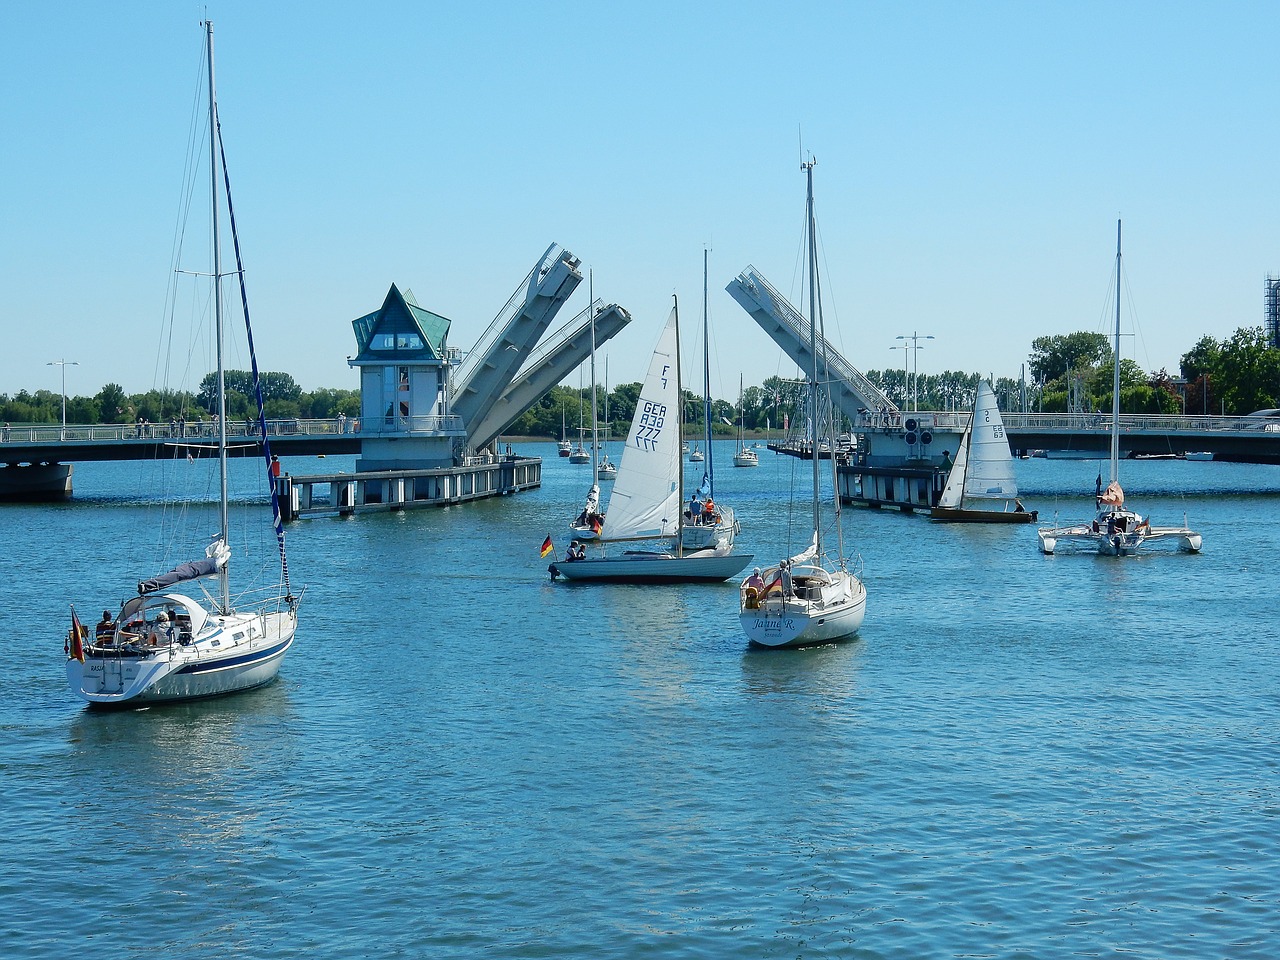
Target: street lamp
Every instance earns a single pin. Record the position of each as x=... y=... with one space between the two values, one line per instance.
x=916 y=347
x=63 y=364
x=906 y=376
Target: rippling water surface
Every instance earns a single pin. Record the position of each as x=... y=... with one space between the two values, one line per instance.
x=1019 y=756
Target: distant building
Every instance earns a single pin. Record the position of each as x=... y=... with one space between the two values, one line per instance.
x=1273 y=310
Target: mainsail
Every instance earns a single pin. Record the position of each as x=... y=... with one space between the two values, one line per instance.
x=983 y=468
x=645 y=502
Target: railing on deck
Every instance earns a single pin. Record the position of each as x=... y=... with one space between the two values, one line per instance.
x=205 y=431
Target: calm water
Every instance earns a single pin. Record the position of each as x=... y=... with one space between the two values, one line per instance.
x=1020 y=756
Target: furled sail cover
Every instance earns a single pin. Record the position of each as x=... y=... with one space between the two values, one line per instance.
x=645 y=501
x=193 y=570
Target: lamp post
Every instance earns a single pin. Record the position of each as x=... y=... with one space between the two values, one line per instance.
x=916 y=347
x=906 y=376
x=63 y=364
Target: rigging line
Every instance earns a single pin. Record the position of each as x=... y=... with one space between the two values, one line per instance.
x=257 y=382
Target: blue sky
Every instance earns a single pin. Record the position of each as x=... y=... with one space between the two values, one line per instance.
x=972 y=162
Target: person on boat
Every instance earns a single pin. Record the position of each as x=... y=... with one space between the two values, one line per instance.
x=709 y=511
x=161 y=632
x=784 y=568
x=105 y=632
x=695 y=508
x=1018 y=507
x=946 y=461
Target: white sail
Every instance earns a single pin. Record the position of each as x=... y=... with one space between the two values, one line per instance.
x=953 y=492
x=645 y=502
x=989 y=474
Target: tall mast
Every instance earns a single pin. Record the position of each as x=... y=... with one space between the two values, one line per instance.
x=706 y=382
x=595 y=439
x=223 y=584
x=807 y=166
x=675 y=306
x=1115 y=375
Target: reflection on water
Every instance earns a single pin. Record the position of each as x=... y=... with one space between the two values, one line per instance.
x=461 y=758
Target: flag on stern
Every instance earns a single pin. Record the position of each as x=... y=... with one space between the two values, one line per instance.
x=75 y=641
x=546 y=546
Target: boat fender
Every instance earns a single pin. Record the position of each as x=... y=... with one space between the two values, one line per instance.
x=926 y=437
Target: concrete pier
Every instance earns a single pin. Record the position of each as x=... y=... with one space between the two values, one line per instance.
x=35 y=482
x=341 y=494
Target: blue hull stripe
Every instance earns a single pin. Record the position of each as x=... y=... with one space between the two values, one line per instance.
x=208 y=666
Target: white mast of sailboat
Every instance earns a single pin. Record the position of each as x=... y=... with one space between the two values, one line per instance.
x=710 y=469
x=675 y=306
x=813 y=350
x=595 y=438
x=224 y=584
x=1115 y=375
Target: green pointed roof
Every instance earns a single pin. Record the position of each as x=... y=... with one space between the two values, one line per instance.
x=400 y=331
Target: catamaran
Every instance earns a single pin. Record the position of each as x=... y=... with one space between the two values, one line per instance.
x=1116 y=530
x=167 y=645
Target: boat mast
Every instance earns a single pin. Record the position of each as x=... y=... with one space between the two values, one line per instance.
x=807 y=166
x=710 y=470
x=595 y=438
x=1115 y=375
x=224 y=586
x=675 y=306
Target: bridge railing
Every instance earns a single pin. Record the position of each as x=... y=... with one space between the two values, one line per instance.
x=206 y=430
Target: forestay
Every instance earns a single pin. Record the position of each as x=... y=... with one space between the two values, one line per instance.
x=645 y=502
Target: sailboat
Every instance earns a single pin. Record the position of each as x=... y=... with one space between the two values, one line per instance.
x=605 y=470
x=806 y=599
x=720 y=524
x=744 y=457
x=647 y=498
x=565 y=446
x=1116 y=530
x=167 y=645
x=982 y=474
x=588 y=523
x=579 y=454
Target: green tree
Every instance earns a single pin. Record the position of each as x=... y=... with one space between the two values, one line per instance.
x=1051 y=357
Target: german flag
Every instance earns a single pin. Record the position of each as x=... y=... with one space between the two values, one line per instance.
x=546 y=546
x=774 y=585
x=75 y=642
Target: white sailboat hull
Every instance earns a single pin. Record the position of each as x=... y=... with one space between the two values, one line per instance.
x=637 y=566
x=747 y=458
x=215 y=664
x=816 y=614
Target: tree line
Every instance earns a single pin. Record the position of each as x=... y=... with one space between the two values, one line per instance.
x=1068 y=373
x=282 y=399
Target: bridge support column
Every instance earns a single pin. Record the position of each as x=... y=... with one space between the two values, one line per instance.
x=35 y=482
